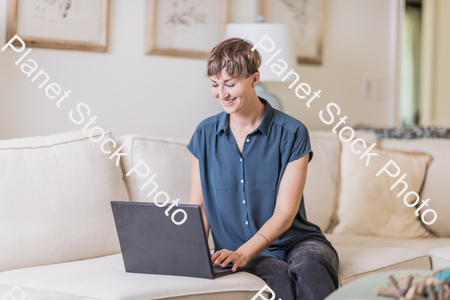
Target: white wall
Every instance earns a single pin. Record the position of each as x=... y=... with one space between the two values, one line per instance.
x=360 y=39
x=131 y=92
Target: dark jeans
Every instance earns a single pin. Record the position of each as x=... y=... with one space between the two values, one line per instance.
x=309 y=272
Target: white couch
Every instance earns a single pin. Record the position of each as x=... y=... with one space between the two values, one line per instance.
x=58 y=238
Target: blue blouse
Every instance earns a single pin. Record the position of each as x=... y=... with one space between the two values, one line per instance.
x=240 y=191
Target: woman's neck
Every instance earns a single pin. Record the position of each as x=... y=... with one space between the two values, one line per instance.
x=249 y=118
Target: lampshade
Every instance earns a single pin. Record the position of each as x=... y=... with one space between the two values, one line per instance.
x=280 y=34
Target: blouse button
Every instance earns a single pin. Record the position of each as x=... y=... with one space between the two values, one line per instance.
x=243 y=201
x=242 y=180
x=241 y=159
x=246 y=222
x=248 y=140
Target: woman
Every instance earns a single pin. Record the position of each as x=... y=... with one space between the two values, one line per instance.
x=249 y=169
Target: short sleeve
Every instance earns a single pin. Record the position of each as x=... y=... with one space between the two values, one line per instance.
x=301 y=145
x=195 y=145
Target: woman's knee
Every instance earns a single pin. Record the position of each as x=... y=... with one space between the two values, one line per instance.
x=312 y=265
x=313 y=254
x=268 y=267
x=306 y=261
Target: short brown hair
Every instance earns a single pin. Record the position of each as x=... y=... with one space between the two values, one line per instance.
x=236 y=56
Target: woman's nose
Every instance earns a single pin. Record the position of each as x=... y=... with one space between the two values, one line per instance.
x=223 y=94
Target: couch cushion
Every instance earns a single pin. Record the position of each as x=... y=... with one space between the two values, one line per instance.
x=168 y=158
x=356 y=262
x=440 y=257
x=436 y=185
x=321 y=181
x=55 y=198
x=367 y=205
x=369 y=137
x=320 y=186
x=105 y=278
x=17 y=292
x=363 y=255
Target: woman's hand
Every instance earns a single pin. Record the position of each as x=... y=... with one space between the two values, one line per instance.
x=224 y=257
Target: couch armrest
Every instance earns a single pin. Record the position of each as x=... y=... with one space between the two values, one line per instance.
x=440 y=258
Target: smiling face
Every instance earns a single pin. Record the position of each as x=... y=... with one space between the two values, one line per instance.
x=233 y=94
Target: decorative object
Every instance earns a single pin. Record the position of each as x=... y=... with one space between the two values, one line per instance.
x=412 y=286
x=305 y=17
x=185 y=28
x=281 y=36
x=59 y=24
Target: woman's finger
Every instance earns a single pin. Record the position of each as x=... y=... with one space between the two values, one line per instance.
x=221 y=257
x=228 y=260
x=216 y=254
x=235 y=266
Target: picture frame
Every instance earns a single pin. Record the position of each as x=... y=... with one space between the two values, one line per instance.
x=59 y=24
x=185 y=28
x=306 y=19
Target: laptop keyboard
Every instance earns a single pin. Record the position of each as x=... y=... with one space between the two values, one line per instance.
x=219 y=269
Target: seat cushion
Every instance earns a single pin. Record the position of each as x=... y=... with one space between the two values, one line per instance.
x=361 y=255
x=105 y=278
x=55 y=198
x=17 y=292
x=440 y=257
x=356 y=262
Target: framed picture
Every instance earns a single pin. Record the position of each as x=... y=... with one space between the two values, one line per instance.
x=59 y=24
x=306 y=19
x=185 y=28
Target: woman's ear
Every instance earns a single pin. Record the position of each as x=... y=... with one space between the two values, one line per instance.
x=255 y=79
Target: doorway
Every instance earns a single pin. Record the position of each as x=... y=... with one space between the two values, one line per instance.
x=410 y=80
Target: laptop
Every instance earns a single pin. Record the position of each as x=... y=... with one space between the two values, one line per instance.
x=151 y=243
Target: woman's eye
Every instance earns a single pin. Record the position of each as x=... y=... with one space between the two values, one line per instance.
x=232 y=85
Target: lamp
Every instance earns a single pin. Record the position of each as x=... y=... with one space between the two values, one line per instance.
x=281 y=36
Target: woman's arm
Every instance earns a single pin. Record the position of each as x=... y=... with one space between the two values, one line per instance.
x=196 y=196
x=287 y=205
